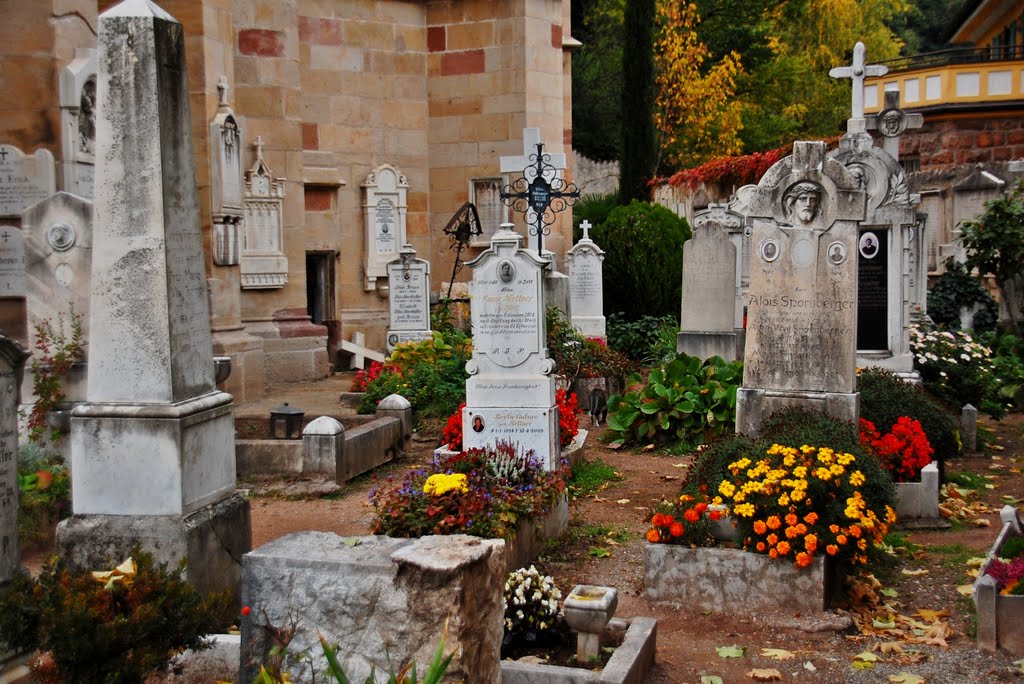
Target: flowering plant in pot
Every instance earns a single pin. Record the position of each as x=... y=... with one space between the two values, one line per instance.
x=483 y=492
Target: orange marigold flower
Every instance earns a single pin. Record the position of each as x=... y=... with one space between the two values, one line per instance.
x=791 y=519
x=862 y=544
x=761 y=547
x=792 y=532
x=811 y=543
x=834 y=529
x=783 y=547
x=803 y=559
x=855 y=531
x=760 y=527
x=772 y=553
x=773 y=522
x=676 y=529
x=691 y=515
x=701 y=507
x=832 y=549
x=653 y=536
x=801 y=528
x=658 y=520
x=715 y=515
x=811 y=518
x=841 y=539
x=773 y=539
x=667 y=520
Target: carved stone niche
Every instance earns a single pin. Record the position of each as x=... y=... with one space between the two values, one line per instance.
x=264 y=264
x=385 y=207
x=227 y=204
x=78 y=123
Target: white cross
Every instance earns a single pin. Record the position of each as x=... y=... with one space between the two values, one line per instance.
x=222 y=90
x=585 y=225
x=857 y=72
x=258 y=144
x=516 y=165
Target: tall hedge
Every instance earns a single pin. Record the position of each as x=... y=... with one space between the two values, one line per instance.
x=639 y=150
x=643 y=262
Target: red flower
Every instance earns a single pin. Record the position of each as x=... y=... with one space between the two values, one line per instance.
x=691 y=515
x=676 y=530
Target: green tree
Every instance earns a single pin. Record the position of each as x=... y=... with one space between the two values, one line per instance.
x=995 y=244
x=639 y=154
x=597 y=78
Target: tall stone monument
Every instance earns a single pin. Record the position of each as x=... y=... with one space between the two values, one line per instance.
x=510 y=394
x=408 y=298
x=707 y=321
x=586 y=286
x=802 y=309
x=12 y=362
x=153 y=460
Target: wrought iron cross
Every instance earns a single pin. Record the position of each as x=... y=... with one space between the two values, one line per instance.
x=538 y=198
x=464 y=224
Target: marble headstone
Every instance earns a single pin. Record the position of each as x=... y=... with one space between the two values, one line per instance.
x=228 y=205
x=385 y=207
x=154 y=442
x=408 y=298
x=802 y=309
x=510 y=394
x=12 y=284
x=24 y=179
x=12 y=361
x=264 y=264
x=586 y=286
x=707 y=317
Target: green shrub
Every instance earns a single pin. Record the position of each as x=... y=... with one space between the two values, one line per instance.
x=686 y=400
x=118 y=632
x=44 y=483
x=957 y=289
x=645 y=339
x=1008 y=361
x=576 y=356
x=431 y=374
x=884 y=398
x=957 y=369
x=592 y=208
x=643 y=263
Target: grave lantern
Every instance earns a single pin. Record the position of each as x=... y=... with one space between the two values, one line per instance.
x=289 y=418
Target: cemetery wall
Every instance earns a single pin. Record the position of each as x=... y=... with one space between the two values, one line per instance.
x=334 y=90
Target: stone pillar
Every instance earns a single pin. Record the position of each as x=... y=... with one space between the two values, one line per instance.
x=969 y=427
x=152 y=448
x=12 y=362
x=322 y=440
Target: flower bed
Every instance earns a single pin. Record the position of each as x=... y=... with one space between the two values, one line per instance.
x=1000 y=616
x=736 y=582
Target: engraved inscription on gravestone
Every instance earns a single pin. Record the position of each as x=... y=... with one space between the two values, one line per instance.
x=386 y=229
x=508 y=323
x=12 y=360
x=408 y=298
x=873 y=290
x=24 y=179
x=12 y=262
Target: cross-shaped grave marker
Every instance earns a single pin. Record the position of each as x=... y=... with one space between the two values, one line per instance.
x=892 y=121
x=3 y=154
x=540 y=192
x=857 y=72
x=585 y=225
x=222 y=91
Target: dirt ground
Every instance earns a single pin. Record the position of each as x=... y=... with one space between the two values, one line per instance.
x=604 y=546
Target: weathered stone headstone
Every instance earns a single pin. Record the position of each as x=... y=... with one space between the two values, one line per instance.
x=12 y=361
x=78 y=123
x=586 y=286
x=24 y=179
x=12 y=284
x=408 y=298
x=228 y=204
x=707 y=317
x=385 y=208
x=802 y=312
x=510 y=394
x=263 y=262
x=152 y=449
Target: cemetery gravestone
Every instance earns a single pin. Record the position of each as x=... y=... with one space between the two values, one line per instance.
x=152 y=448
x=384 y=210
x=24 y=179
x=408 y=298
x=802 y=311
x=510 y=394
x=12 y=284
x=78 y=123
x=228 y=207
x=263 y=261
x=12 y=362
x=586 y=286
x=707 y=319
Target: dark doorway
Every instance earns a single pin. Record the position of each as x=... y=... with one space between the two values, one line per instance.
x=320 y=297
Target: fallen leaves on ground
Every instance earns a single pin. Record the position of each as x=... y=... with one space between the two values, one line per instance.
x=906 y=678
x=765 y=675
x=711 y=679
x=962 y=504
x=731 y=651
x=777 y=653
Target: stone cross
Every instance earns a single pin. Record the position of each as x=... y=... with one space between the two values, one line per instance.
x=222 y=91
x=857 y=72
x=892 y=121
x=585 y=225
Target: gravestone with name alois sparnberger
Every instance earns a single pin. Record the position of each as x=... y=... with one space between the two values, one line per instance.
x=408 y=298
x=802 y=308
x=12 y=361
x=152 y=448
x=586 y=286
x=510 y=392
x=707 y=316
x=24 y=179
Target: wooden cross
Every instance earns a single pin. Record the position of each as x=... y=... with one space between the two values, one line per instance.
x=857 y=72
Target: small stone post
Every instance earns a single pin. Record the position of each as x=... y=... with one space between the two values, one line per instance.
x=12 y=361
x=969 y=427
x=322 y=441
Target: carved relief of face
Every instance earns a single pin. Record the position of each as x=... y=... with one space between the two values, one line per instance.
x=891 y=123
x=801 y=202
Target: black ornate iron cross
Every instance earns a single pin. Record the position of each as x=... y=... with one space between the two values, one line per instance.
x=464 y=224
x=539 y=199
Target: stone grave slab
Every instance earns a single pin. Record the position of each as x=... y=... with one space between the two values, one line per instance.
x=586 y=286
x=24 y=179
x=707 y=317
x=408 y=298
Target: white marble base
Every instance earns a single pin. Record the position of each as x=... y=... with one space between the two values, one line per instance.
x=533 y=429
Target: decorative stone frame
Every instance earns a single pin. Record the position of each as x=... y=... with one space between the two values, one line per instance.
x=385 y=206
